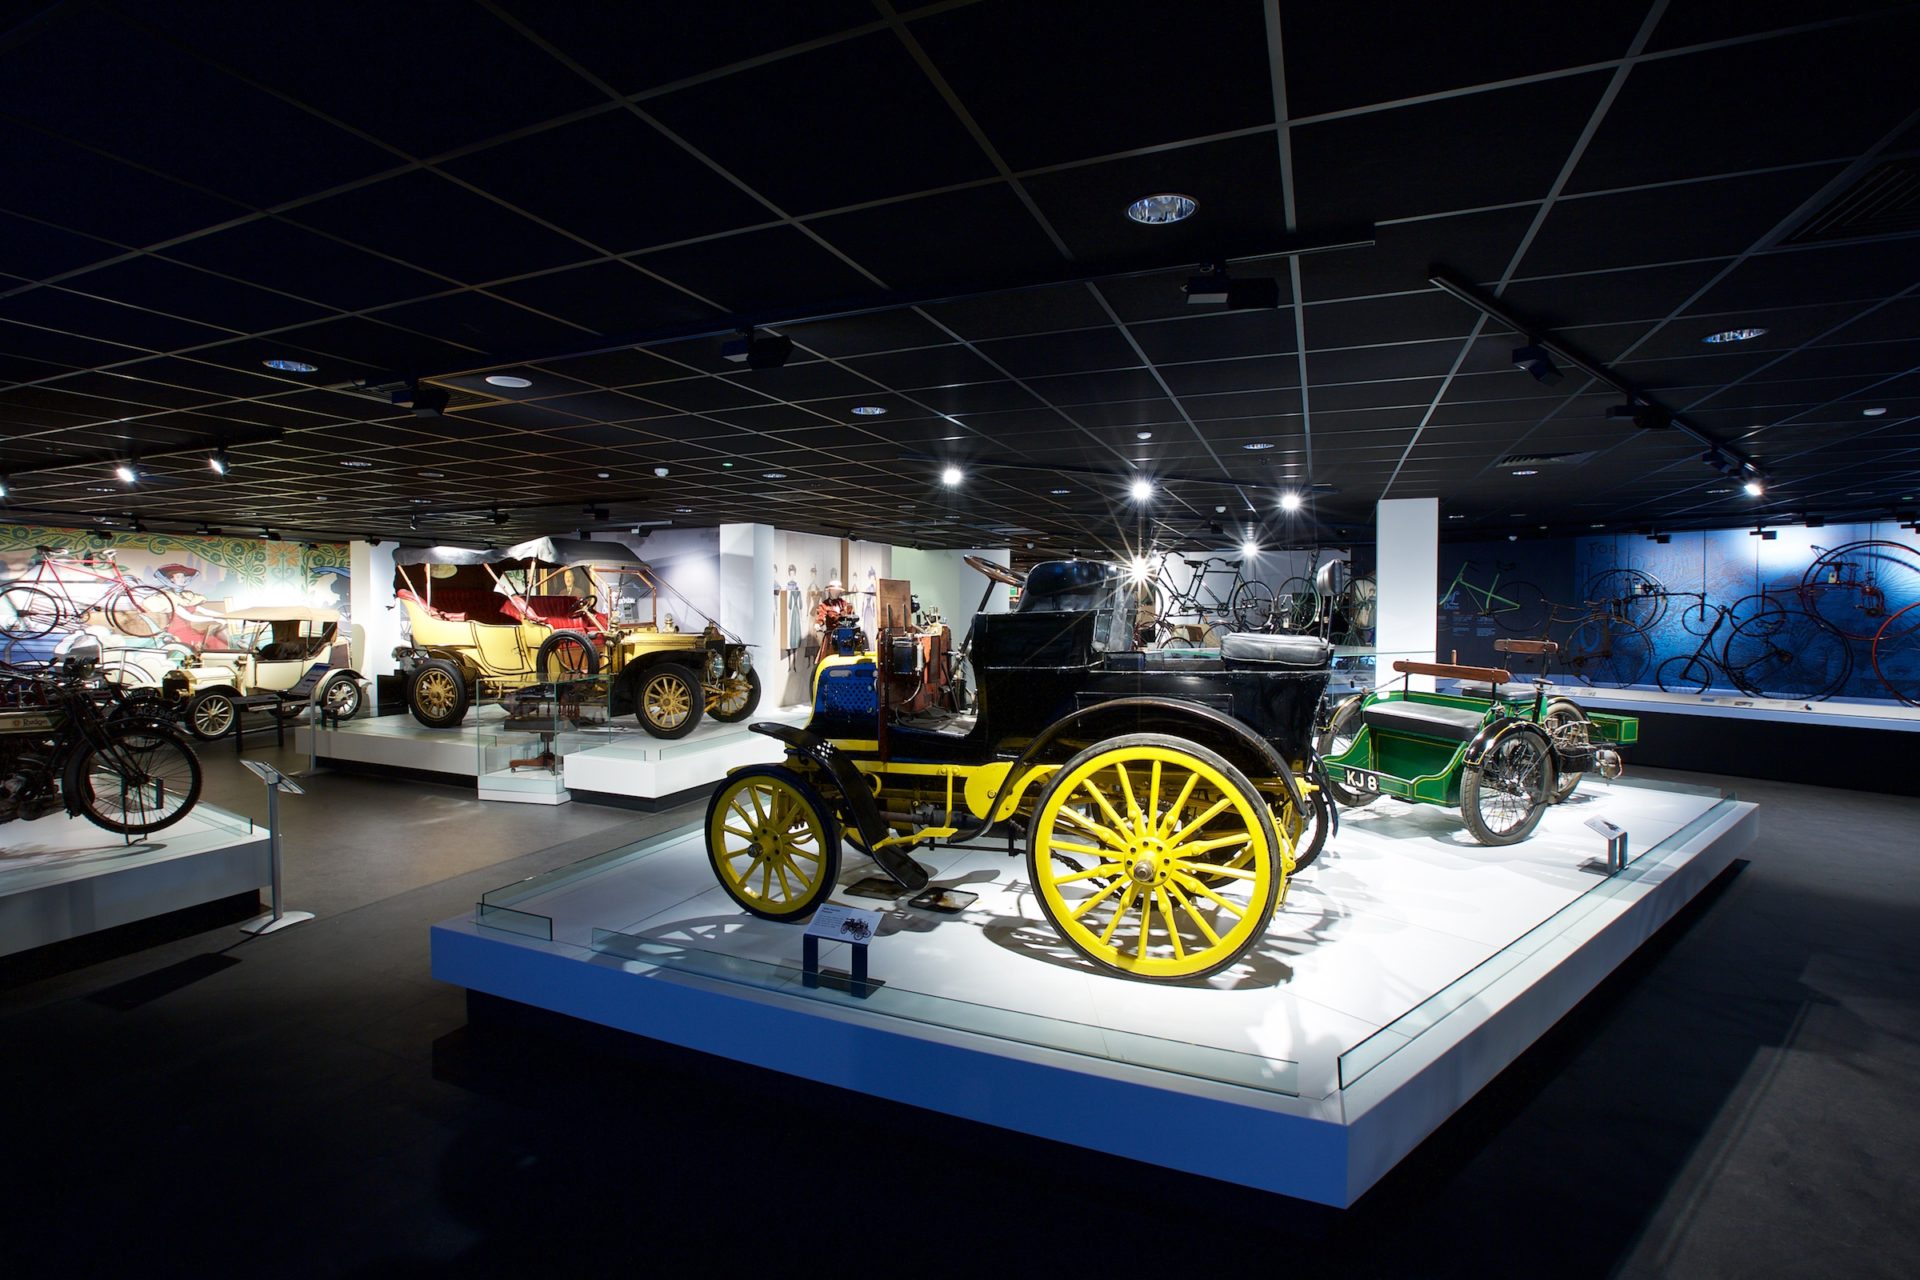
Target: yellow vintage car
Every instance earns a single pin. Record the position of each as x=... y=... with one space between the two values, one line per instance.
x=556 y=609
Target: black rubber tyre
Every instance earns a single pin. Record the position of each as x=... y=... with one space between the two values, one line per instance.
x=1564 y=720
x=1683 y=673
x=566 y=655
x=437 y=694
x=27 y=612
x=1335 y=739
x=668 y=701
x=1503 y=796
x=141 y=778
x=734 y=704
x=340 y=696
x=211 y=715
x=140 y=611
x=752 y=815
x=1313 y=840
x=1252 y=606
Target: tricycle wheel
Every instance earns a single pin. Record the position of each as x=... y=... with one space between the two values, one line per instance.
x=437 y=694
x=773 y=842
x=1339 y=734
x=1568 y=727
x=739 y=695
x=670 y=703
x=1504 y=795
x=1155 y=857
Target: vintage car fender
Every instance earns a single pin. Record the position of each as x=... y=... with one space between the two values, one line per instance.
x=857 y=796
x=1499 y=727
x=1161 y=715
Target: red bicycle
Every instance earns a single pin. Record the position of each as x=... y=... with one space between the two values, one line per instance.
x=60 y=590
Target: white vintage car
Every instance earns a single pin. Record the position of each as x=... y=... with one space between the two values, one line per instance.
x=296 y=653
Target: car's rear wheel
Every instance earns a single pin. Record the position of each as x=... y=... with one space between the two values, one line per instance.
x=669 y=701
x=437 y=694
x=1155 y=857
x=1503 y=796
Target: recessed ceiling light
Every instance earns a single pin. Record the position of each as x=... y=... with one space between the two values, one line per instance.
x=952 y=476
x=1059 y=492
x=126 y=473
x=1158 y=210
x=1289 y=501
x=1143 y=435
x=1456 y=517
x=726 y=464
x=354 y=462
x=291 y=366
x=321 y=497
x=603 y=475
x=432 y=475
x=507 y=380
x=1733 y=335
x=419 y=502
x=1142 y=490
x=683 y=511
x=101 y=488
x=868 y=410
x=1874 y=412
x=775 y=475
x=1714 y=491
x=1596 y=526
x=1257 y=445
x=1526 y=473
x=1755 y=487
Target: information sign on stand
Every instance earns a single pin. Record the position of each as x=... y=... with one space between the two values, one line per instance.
x=1616 y=837
x=836 y=923
x=276 y=781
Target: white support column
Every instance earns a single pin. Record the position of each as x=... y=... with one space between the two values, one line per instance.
x=375 y=618
x=1407 y=616
x=746 y=590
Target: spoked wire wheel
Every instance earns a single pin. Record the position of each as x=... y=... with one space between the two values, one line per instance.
x=1362 y=597
x=773 y=842
x=1157 y=858
x=1335 y=740
x=1896 y=654
x=1502 y=797
x=26 y=612
x=141 y=778
x=1295 y=605
x=1790 y=653
x=140 y=611
x=1519 y=608
x=1251 y=605
x=1571 y=732
x=1632 y=594
x=1608 y=650
x=1855 y=588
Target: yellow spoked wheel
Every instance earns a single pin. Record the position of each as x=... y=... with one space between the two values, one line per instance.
x=773 y=842
x=1156 y=857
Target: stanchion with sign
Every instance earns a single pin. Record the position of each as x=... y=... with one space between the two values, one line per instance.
x=276 y=781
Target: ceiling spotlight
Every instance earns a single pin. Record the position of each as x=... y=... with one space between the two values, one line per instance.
x=1142 y=490
x=1526 y=473
x=269 y=535
x=354 y=462
x=774 y=475
x=218 y=462
x=507 y=380
x=1143 y=435
x=413 y=522
x=662 y=472
x=603 y=475
x=1257 y=445
x=951 y=477
x=4 y=486
x=1250 y=548
x=291 y=366
x=1662 y=538
x=1159 y=210
x=1214 y=288
x=1289 y=501
x=1733 y=335
x=758 y=350
x=498 y=516
x=1814 y=522
x=1874 y=412
x=1059 y=493
x=1755 y=486
x=125 y=473
x=1533 y=358
x=868 y=410
x=1647 y=417
x=139 y=525
x=1765 y=535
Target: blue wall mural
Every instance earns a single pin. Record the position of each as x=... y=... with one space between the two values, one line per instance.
x=1807 y=614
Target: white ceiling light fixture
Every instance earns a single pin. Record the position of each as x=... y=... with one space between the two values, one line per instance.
x=1143 y=435
x=1874 y=412
x=1141 y=490
x=1524 y=472
x=952 y=476
x=291 y=366
x=1755 y=487
x=125 y=473
x=1257 y=445
x=1289 y=501
x=1250 y=548
x=508 y=380
x=1059 y=493
x=1733 y=335
x=868 y=410
x=1163 y=208
x=354 y=462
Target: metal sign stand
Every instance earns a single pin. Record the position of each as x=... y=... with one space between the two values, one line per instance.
x=276 y=782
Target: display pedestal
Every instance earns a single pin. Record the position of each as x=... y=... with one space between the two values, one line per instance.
x=601 y=766
x=1405 y=970
x=63 y=877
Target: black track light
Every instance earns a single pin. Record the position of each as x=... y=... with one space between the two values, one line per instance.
x=424 y=401
x=758 y=350
x=1647 y=417
x=499 y=516
x=1533 y=358
x=1765 y=535
x=1216 y=288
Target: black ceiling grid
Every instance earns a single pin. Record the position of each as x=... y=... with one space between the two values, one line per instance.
x=207 y=195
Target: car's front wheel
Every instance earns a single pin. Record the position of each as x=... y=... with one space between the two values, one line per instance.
x=670 y=702
x=210 y=715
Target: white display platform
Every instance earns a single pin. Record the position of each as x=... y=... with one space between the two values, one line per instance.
x=1846 y=713
x=62 y=877
x=613 y=765
x=1407 y=968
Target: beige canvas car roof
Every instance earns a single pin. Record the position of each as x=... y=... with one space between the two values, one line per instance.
x=284 y=613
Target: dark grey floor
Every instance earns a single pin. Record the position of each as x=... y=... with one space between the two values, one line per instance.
x=1740 y=1100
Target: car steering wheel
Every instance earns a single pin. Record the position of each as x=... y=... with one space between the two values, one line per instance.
x=997 y=572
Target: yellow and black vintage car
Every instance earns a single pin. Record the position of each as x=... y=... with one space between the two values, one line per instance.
x=1165 y=798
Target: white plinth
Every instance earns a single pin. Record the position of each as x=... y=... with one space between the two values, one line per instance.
x=1406 y=969
x=62 y=877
